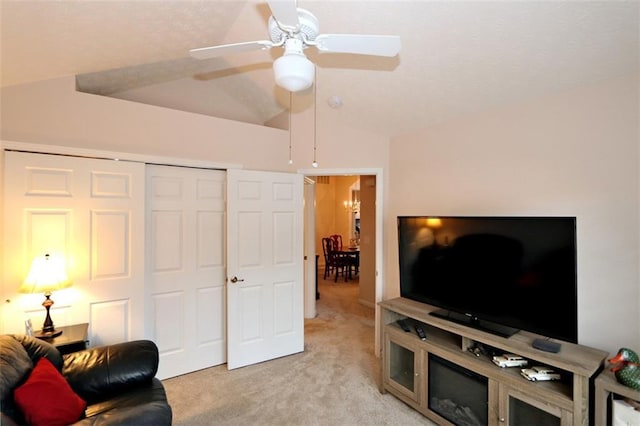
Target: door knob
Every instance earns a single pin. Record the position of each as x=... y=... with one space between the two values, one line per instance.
x=235 y=280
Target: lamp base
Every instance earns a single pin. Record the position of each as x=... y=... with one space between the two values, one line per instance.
x=47 y=334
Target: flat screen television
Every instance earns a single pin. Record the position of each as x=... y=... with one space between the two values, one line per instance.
x=500 y=274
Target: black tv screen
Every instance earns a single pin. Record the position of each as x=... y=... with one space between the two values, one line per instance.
x=502 y=274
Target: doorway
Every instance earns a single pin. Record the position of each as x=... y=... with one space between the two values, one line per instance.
x=370 y=180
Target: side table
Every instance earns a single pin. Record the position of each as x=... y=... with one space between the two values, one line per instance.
x=73 y=338
x=606 y=384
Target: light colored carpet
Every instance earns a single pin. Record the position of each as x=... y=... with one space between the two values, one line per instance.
x=335 y=381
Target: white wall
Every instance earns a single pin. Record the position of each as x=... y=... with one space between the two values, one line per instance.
x=2 y=236
x=52 y=112
x=575 y=154
x=572 y=154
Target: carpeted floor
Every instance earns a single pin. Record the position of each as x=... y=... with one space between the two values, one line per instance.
x=335 y=381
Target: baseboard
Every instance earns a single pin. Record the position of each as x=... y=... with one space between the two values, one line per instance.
x=367 y=303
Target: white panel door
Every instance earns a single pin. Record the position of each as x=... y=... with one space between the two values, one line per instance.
x=90 y=211
x=264 y=266
x=185 y=267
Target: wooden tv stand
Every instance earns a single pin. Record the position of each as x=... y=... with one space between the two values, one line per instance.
x=404 y=367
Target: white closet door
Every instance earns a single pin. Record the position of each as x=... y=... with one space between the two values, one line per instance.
x=186 y=267
x=265 y=261
x=90 y=211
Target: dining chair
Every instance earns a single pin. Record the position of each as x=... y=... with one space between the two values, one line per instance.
x=337 y=239
x=335 y=261
x=326 y=249
x=351 y=259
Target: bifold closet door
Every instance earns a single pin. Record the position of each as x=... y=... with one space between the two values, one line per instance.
x=91 y=212
x=186 y=267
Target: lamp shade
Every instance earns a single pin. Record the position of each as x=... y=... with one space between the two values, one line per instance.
x=47 y=274
x=293 y=72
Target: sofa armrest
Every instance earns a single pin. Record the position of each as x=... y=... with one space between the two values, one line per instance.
x=98 y=373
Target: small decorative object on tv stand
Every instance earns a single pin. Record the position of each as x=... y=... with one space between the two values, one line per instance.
x=510 y=397
x=626 y=367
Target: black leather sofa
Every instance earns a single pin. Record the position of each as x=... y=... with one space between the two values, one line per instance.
x=117 y=382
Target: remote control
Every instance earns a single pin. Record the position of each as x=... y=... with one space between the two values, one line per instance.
x=421 y=333
x=546 y=345
x=403 y=325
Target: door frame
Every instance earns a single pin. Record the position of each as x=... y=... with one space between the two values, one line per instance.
x=310 y=261
x=378 y=173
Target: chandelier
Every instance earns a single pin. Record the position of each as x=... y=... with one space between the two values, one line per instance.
x=353 y=206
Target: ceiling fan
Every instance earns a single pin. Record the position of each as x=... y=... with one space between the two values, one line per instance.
x=295 y=29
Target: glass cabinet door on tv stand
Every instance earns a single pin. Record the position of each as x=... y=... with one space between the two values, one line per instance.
x=403 y=371
x=517 y=408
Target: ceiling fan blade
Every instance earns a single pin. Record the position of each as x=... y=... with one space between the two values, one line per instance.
x=379 y=45
x=285 y=12
x=226 y=49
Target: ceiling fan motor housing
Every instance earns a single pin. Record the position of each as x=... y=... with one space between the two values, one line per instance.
x=308 y=29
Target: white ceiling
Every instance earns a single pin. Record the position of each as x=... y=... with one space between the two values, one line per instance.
x=457 y=57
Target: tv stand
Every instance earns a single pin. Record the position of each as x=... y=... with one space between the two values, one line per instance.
x=509 y=398
x=475 y=322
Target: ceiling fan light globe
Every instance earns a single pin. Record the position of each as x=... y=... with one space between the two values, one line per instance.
x=294 y=72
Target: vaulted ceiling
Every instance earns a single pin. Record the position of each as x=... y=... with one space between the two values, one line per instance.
x=457 y=57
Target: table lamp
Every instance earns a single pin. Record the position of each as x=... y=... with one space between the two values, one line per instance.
x=47 y=274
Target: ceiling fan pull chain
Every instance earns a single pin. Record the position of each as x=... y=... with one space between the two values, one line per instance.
x=315 y=124
x=290 y=113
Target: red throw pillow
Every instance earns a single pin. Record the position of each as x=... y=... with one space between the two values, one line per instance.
x=47 y=399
